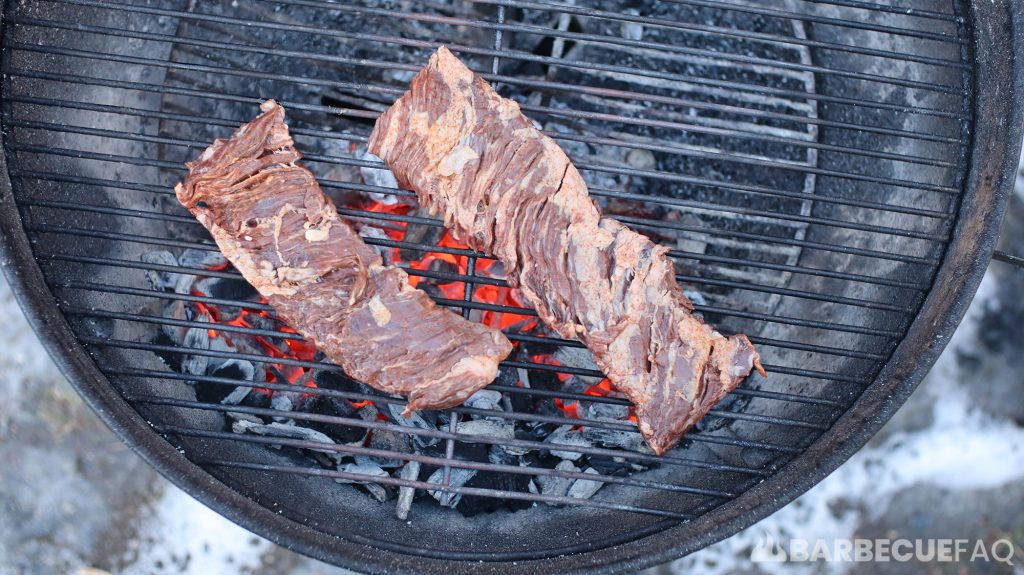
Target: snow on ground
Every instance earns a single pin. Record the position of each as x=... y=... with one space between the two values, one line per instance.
x=182 y=536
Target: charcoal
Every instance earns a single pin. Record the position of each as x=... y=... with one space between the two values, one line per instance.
x=387 y=440
x=282 y=401
x=235 y=369
x=595 y=410
x=377 y=491
x=484 y=399
x=369 y=412
x=227 y=288
x=504 y=455
x=410 y=472
x=585 y=488
x=463 y=450
x=329 y=379
x=195 y=338
x=238 y=416
x=459 y=477
x=566 y=435
x=262 y=322
x=422 y=419
x=695 y=297
x=288 y=431
x=176 y=310
x=608 y=465
x=580 y=358
x=471 y=505
x=202 y=259
x=556 y=486
x=236 y=396
x=487 y=428
x=257 y=398
x=422 y=234
x=630 y=440
x=207 y=392
x=161 y=280
x=533 y=431
x=336 y=407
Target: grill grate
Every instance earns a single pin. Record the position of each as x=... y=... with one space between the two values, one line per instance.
x=104 y=100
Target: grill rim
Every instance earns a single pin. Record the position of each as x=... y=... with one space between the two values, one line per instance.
x=998 y=113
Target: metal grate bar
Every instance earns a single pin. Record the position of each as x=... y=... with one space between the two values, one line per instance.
x=513 y=415
x=489 y=440
x=537 y=30
x=640 y=222
x=762 y=341
x=544 y=110
x=808 y=373
x=193 y=144
x=427 y=249
x=532 y=471
x=126 y=290
x=512 y=54
x=700 y=28
x=755 y=89
x=903 y=11
x=572 y=9
x=458 y=277
x=590 y=90
x=775 y=13
x=682 y=151
x=843 y=224
x=320 y=472
x=556 y=135
x=272 y=333
x=681 y=254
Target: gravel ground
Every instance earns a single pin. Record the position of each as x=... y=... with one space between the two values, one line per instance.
x=950 y=464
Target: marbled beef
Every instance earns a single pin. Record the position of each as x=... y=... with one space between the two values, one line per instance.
x=507 y=190
x=269 y=217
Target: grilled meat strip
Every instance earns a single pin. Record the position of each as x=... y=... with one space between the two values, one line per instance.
x=509 y=191
x=270 y=218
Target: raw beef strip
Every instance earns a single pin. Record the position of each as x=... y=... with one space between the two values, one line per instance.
x=270 y=218
x=507 y=190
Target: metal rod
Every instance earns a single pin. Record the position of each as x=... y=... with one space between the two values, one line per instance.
x=126 y=290
x=510 y=415
x=435 y=487
x=509 y=54
x=753 y=189
x=596 y=39
x=545 y=110
x=686 y=27
x=485 y=439
x=740 y=210
x=127 y=316
x=479 y=466
x=395 y=91
x=427 y=248
x=683 y=151
x=639 y=222
x=590 y=90
x=838 y=22
x=458 y=277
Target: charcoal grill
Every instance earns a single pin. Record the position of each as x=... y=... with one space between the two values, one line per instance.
x=830 y=175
